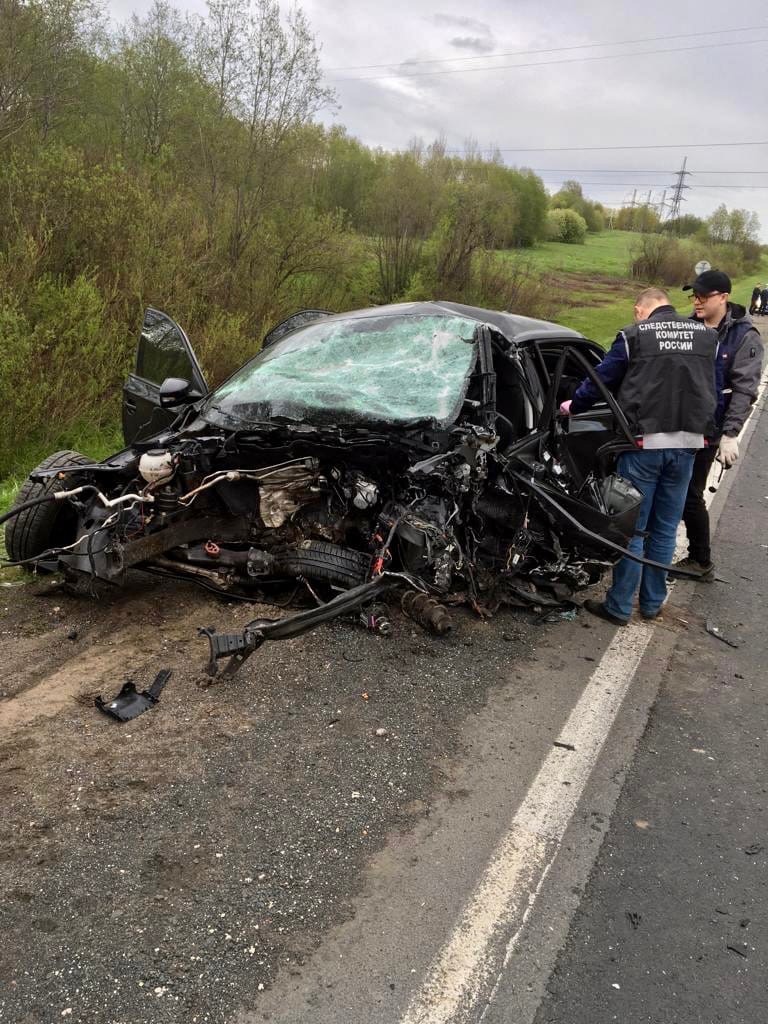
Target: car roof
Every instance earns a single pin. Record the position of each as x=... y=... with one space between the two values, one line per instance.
x=514 y=327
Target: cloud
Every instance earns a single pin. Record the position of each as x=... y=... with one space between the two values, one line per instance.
x=407 y=79
x=468 y=24
x=473 y=43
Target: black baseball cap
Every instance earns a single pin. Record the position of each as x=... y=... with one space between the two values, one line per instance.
x=710 y=281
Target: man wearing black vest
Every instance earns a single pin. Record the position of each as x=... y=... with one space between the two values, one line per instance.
x=739 y=366
x=662 y=370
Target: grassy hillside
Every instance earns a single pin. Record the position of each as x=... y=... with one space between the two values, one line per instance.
x=599 y=290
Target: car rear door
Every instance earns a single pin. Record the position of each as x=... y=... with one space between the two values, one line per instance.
x=163 y=351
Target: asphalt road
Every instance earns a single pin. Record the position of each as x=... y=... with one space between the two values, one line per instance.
x=521 y=822
x=673 y=924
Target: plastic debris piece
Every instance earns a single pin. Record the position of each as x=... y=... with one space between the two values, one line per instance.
x=717 y=631
x=130 y=703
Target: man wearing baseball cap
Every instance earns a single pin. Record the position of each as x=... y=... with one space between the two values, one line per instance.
x=739 y=366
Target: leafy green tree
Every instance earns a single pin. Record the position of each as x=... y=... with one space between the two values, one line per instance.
x=685 y=226
x=571 y=197
x=402 y=208
x=637 y=218
x=41 y=49
x=347 y=176
x=153 y=56
x=733 y=226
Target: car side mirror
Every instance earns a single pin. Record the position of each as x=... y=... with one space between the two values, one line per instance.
x=176 y=391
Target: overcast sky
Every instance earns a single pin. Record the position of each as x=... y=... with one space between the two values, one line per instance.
x=703 y=95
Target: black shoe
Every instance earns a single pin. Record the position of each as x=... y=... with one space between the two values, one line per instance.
x=649 y=616
x=704 y=570
x=598 y=608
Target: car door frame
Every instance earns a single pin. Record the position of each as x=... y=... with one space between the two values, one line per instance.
x=574 y=435
x=142 y=415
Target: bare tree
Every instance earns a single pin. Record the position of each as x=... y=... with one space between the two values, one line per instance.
x=267 y=76
x=152 y=52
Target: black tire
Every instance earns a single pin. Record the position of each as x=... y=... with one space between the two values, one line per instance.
x=50 y=525
x=319 y=560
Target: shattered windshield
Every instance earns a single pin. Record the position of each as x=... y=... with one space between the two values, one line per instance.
x=388 y=369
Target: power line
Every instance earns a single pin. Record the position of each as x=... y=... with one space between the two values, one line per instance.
x=554 y=49
x=654 y=184
x=626 y=170
x=586 y=149
x=547 y=63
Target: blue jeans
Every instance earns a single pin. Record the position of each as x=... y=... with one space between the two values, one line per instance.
x=662 y=477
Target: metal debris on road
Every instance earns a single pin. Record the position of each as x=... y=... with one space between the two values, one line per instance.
x=427 y=612
x=740 y=949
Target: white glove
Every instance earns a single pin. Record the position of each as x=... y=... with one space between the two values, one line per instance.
x=565 y=408
x=728 y=452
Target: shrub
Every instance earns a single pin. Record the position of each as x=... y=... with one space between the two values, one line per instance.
x=511 y=284
x=665 y=260
x=659 y=259
x=60 y=364
x=495 y=281
x=566 y=226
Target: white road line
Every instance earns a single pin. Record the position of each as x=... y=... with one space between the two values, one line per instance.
x=509 y=886
x=505 y=896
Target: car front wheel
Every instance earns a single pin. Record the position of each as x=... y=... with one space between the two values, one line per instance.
x=51 y=524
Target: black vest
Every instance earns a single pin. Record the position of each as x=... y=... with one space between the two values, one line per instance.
x=670 y=381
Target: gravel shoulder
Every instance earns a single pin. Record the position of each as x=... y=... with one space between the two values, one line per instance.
x=166 y=869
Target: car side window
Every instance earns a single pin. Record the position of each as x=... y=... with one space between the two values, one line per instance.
x=163 y=351
x=573 y=372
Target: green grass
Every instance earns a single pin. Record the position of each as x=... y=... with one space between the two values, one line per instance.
x=82 y=438
x=605 y=253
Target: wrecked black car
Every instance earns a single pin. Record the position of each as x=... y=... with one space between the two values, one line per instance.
x=413 y=447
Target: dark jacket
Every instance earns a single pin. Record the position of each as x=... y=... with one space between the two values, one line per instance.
x=739 y=368
x=663 y=374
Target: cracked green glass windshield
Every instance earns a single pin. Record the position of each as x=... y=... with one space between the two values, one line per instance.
x=387 y=369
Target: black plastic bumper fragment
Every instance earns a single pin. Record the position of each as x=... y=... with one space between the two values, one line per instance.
x=239 y=646
x=130 y=703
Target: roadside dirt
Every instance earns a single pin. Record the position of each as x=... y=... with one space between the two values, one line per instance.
x=165 y=869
